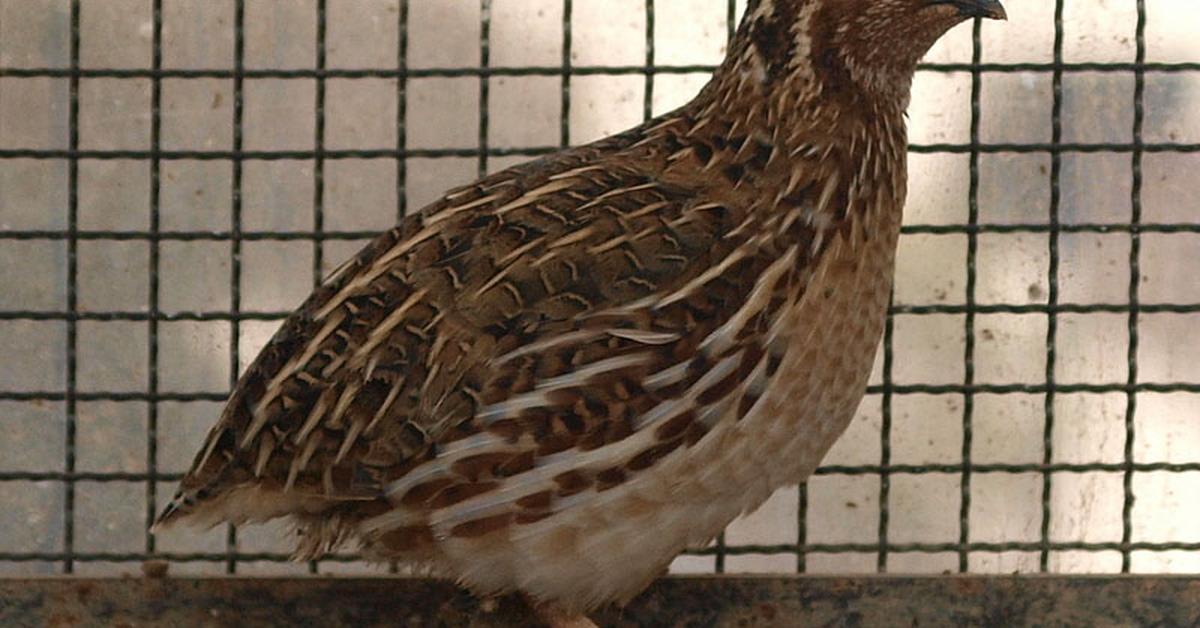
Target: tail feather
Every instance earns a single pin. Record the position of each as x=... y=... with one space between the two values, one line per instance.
x=200 y=485
x=179 y=509
x=245 y=503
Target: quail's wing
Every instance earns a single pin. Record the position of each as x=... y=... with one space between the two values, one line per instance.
x=552 y=329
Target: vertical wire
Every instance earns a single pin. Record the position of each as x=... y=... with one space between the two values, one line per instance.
x=885 y=438
x=319 y=165
x=401 y=136
x=564 y=119
x=802 y=498
x=964 y=513
x=1135 y=248
x=235 y=240
x=648 y=90
x=72 y=297
x=152 y=320
x=730 y=21
x=485 y=34
x=1052 y=278
x=802 y=528
x=402 y=110
x=319 y=148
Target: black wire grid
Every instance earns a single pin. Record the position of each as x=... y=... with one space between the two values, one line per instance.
x=885 y=393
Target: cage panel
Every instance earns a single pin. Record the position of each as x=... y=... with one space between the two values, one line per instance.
x=166 y=201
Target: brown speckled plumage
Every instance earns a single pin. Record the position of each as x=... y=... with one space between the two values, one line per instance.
x=556 y=378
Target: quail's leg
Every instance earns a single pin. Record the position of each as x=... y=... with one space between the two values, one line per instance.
x=554 y=618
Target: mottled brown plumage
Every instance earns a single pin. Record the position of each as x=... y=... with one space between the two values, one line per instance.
x=555 y=379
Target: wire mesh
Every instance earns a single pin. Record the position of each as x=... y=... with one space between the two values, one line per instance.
x=60 y=330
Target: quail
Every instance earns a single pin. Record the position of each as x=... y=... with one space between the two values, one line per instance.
x=555 y=379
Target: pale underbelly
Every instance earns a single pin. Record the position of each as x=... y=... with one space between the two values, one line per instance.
x=611 y=546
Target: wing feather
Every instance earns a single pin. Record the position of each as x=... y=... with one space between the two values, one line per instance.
x=506 y=351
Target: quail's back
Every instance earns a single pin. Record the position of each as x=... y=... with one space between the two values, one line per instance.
x=557 y=378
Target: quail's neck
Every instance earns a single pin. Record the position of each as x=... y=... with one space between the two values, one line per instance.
x=792 y=117
x=781 y=79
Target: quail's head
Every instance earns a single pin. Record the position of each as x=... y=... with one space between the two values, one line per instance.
x=873 y=45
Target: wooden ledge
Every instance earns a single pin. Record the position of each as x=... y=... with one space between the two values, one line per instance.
x=741 y=601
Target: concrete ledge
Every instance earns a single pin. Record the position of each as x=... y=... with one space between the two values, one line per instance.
x=679 y=601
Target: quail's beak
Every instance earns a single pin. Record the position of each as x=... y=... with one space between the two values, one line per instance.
x=977 y=8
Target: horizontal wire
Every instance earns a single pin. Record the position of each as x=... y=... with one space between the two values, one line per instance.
x=189 y=236
x=975 y=467
x=974 y=546
x=732 y=549
x=903 y=309
x=533 y=151
x=269 y=155
x=1183 y=227
x=288 y=236
x=549 y=70
x=113 y=396
x=897 y=389
x=1004 y=389
x=830 y=470
x=241 y=315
